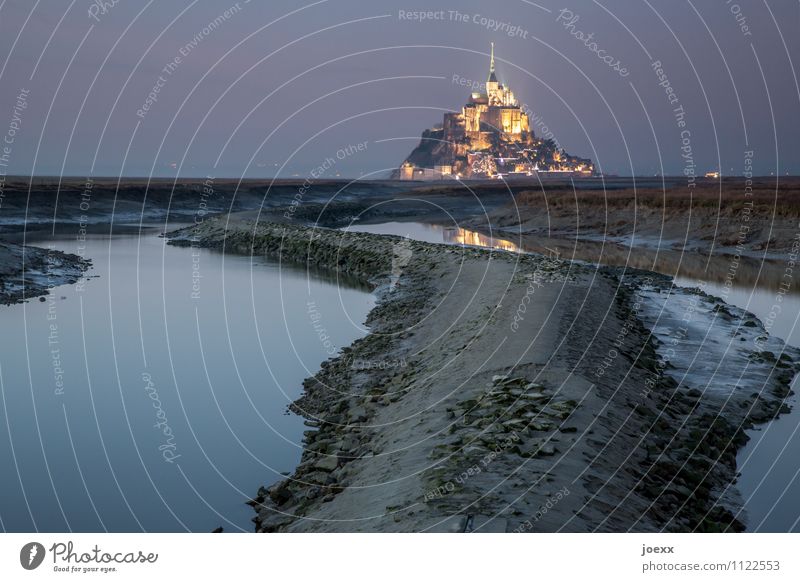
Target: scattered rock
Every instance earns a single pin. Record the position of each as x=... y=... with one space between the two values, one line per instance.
x=327 y=463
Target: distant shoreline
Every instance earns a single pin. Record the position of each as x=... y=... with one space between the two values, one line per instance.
x=298 y=180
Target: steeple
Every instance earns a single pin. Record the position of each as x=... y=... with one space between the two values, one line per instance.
x=492 y=76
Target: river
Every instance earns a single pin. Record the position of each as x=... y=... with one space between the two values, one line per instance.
x=152 y=396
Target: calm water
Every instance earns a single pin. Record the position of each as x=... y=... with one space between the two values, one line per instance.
x=130 y=405
x=770 y=463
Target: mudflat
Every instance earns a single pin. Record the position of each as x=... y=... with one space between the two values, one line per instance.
x=502 y=392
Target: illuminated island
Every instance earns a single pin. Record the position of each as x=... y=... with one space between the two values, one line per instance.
x=489 y=138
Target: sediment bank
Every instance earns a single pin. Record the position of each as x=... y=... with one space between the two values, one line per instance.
x=503 y=392
x=27 y=272
x=757 y=218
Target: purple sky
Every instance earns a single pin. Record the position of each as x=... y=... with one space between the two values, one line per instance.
x=285 y=85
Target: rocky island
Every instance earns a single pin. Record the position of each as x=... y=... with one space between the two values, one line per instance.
x=490 y=137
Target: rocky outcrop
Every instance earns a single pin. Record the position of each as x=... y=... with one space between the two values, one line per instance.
x=27 y=271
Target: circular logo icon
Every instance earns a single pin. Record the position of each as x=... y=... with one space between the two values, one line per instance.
x=31 y=555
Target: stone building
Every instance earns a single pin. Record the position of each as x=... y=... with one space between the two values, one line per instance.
x=489 y=137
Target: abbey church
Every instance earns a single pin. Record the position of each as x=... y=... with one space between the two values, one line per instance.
x=489 y=138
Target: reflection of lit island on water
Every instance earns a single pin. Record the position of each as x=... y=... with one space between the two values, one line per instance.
x=747 y=272
x=436 y=233
x=691 y=266
x=462 y=236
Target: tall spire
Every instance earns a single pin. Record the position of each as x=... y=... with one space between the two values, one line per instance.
x=492 y=76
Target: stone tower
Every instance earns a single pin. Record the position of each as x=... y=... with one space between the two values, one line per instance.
x=492 y=86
